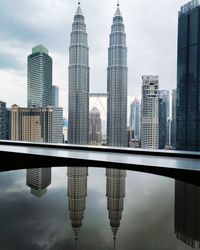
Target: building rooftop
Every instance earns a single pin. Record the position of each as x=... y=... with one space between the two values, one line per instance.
x=40 y=48
x=189 y=6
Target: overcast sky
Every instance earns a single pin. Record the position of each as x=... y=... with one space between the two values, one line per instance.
x=151 y=28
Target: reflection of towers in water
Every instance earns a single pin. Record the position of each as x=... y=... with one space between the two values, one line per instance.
x=77 y=192
x=38 y=179
x=115 y=192
x=187 y=213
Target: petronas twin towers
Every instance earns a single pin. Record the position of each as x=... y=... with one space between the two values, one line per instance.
x=78 y=99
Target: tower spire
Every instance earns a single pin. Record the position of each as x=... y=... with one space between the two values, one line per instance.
x=117 y=3
x=79 y=2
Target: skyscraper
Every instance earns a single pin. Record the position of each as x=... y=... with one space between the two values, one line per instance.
x=78 y=93
x=117 y=84
x=55 y=96
x=188 y=78
x=173 y=131
x=135 y=116
x=150 y=112
x=95 y=127
x=39 y=77
x=162 y=123
x=4 y=122
x=164 y=99
x=165 y=96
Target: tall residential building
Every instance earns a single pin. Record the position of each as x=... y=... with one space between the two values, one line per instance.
x=95 y=128
x=55 y=96
x=173 y=130
x=37 y=124
x=150 y=112
x=188 y=78
x=187 y=213
x=115 y=192
x=4 y=122
x=117 y=84
x=39 y=77
x=77 y=193
x=38 y=179
x=78 y=94
x=135 y=117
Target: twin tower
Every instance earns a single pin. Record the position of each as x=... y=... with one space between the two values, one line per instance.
x=78 y=106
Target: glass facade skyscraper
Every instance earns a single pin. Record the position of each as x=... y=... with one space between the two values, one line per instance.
x=117 y=84
x=188 y=78
x=4 y=122
x=135 y=117
x=78 y=100
x=39 y=77
x=55 y=96
x=173 y=134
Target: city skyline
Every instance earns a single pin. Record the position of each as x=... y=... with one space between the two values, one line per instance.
x=28 y=32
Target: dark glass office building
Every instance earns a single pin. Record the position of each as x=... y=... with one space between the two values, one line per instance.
x=39 y=74
x=188 y=77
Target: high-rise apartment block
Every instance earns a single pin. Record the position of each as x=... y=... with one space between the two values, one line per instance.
x=55 y=96
x=78 y=93
x=117 y=84
x=95 y=127
x=188 y=78
x=39 y=77
x=37 y=124
x=150 y=112
x=4 y=122
x=135 y=117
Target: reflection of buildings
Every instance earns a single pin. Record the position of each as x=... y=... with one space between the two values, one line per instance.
x=38 y=179
x=115 y=192
x=77 y=192
x=187 y=213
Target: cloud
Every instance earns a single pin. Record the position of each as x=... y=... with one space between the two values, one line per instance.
x=151 y=28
